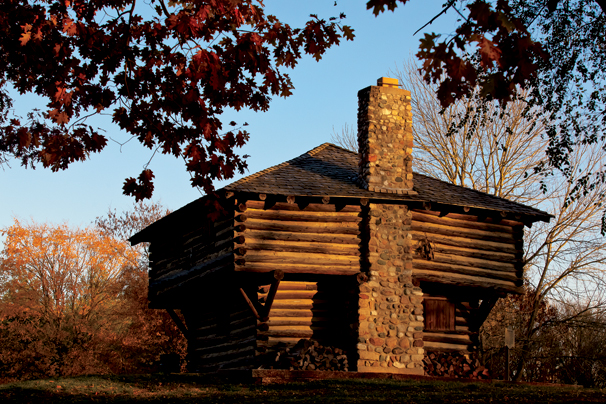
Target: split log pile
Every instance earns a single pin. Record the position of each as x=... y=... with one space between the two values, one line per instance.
x=451 y=364
x=306 y=355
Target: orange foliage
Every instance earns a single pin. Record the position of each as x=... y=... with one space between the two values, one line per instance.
x=74 y=301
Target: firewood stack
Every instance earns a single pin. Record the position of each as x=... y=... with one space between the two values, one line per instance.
x=306 y=355
x=453 y=364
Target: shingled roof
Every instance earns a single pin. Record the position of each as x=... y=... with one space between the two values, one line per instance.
x=329 y=170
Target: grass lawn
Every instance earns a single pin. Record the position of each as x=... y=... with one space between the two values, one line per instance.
x=186 y=388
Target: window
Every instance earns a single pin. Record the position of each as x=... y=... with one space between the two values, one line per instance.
x=439 y=315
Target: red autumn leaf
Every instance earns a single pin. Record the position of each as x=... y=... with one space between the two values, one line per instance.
x=489 y=53
x=128 y=62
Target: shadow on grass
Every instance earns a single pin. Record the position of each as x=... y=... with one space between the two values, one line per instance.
x=187 y=388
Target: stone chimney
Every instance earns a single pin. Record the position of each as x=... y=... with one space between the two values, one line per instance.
x=390 y=333
x=385 y=138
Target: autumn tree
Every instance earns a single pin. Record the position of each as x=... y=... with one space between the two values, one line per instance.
x=555 y=50
x=164 y=70
x=151 y=332
x=59 y=294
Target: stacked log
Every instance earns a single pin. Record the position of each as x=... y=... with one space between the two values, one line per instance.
x=291 y=315
x=205 y=248
x=306 y=355
x=316 y=239
x=469 y=252
x=220 y=337
x=457 y=365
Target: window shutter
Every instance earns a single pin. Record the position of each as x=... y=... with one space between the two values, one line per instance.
x=439 y=315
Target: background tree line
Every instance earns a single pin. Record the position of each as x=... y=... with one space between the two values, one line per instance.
x=74 y=300
x=496 y=148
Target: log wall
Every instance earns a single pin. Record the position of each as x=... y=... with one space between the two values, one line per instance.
x=315 y=239
x=198 y=249
x=464 y=337
x=221 y=332
x=324 y=311
x=467 y=251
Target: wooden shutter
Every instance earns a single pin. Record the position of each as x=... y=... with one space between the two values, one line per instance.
x=439 y=315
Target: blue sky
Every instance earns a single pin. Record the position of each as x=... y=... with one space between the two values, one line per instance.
x=324 y=96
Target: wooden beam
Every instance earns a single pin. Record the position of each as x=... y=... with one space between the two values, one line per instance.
x=481 y=245
x=278 y=276
x=302 y=247
x=262 y=267
x=180 y=325
x=304 y=216
x=275 y=237
x=460 y=221
x=251 y=305
x=304 y=227
x=312 y=207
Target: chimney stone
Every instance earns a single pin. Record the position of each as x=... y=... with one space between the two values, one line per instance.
x=385 y=138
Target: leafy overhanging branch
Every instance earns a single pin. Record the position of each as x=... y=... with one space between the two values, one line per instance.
x=166 y=74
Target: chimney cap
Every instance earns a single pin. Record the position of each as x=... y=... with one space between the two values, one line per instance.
x=387 y=82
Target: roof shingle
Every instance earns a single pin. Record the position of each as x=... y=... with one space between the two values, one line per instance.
x=329 y=170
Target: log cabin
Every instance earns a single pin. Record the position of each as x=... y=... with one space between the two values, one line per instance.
x=352 y=250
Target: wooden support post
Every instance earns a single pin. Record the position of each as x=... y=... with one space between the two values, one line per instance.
x=251 y=305
x=278 y=276
x=179 y=323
